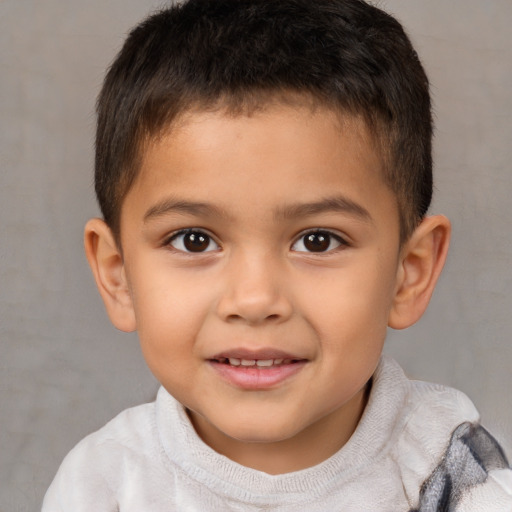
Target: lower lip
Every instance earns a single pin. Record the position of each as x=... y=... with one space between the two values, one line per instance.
x=256 y=378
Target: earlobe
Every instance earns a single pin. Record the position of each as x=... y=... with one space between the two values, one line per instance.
x=421 y=261
x=106 y=262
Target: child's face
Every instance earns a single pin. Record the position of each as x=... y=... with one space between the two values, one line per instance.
x=269 y=241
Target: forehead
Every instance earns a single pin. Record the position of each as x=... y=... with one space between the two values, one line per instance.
x=272 y=123
x=268 y=158
x=247 y=111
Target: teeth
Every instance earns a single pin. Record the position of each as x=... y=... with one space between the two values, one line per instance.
x=264 y=362
x=260 y=363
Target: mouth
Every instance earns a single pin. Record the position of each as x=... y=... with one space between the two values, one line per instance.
x=257 y=370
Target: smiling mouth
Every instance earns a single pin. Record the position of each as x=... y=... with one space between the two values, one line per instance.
x=257 y=370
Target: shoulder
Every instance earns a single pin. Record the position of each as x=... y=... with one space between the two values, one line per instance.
x=132 y=433
x=432 y=412
x=446 y=455
x=424 y=414
x=92 y=472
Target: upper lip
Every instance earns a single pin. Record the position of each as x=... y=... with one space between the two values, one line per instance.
x=263 y=354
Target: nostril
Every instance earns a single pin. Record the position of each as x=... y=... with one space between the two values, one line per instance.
x=268 y=318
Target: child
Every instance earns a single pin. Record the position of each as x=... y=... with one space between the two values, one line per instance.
x=264 y=172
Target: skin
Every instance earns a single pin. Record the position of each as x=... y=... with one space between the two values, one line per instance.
x=255 y=187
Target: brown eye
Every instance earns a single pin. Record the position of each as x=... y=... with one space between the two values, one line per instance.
x=318 y=241
x=196 y=242
x=193 y=241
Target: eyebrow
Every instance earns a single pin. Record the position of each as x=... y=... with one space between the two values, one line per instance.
x=337 y=204
x=195 y=208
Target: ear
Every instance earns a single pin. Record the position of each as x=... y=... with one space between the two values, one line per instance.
x=421 y=261
x=106 y=262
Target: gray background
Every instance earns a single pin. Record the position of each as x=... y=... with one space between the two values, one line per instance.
x=64 y=371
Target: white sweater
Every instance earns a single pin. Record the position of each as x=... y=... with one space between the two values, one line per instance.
x=413 y=450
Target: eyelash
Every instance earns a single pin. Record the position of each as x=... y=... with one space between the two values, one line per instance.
x=206 y=240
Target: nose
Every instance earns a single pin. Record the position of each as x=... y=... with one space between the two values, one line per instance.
x=255 y=291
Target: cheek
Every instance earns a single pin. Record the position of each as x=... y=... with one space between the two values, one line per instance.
x=372 y=284
x=351 y=310
x=169 y=312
